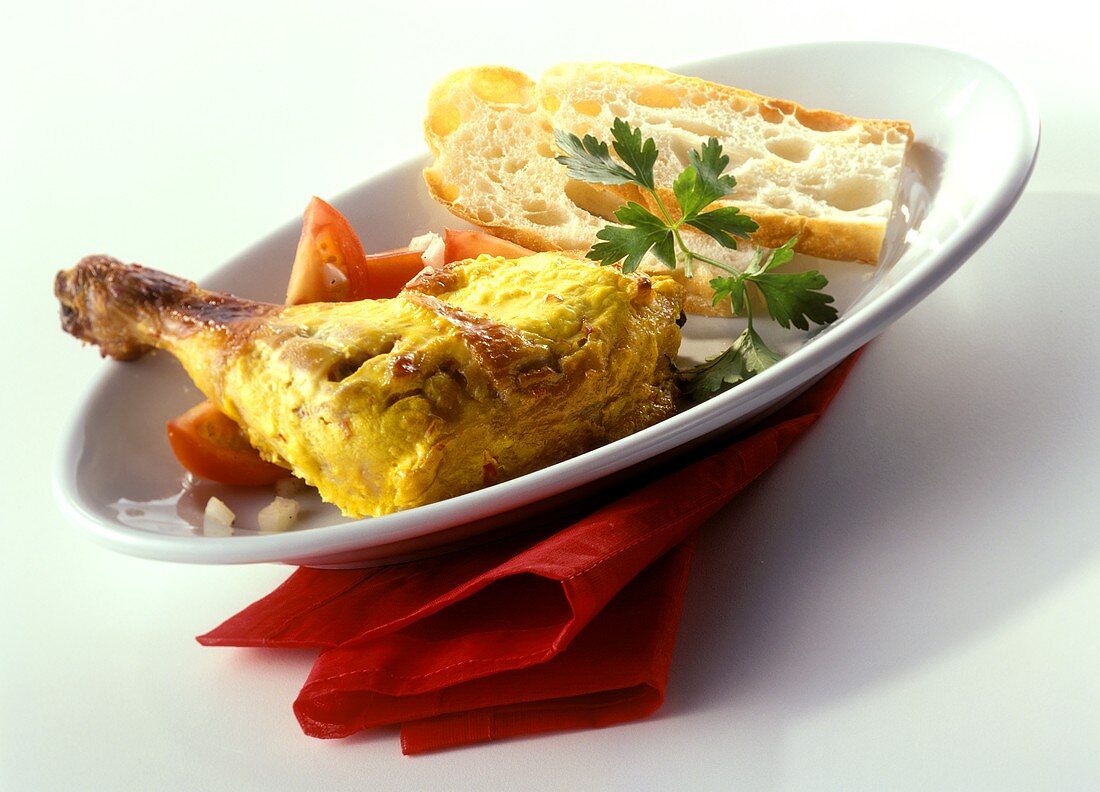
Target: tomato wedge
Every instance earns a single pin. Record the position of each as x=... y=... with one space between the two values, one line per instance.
x=385 y=274
x=459 y=245
x=330 y=265
x=211 y=445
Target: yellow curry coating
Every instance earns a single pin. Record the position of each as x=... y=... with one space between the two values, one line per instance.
x=477 y=372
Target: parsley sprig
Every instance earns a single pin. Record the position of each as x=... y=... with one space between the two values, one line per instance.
x=791 y=298
x=640 y=230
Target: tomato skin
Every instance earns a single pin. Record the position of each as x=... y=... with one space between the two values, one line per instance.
x=385 y=274
x=329 y=265
x=212 y=446
x=466 y=244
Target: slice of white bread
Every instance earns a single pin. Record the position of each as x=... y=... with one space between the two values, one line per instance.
x=491 y=130
x=830 y=178
x=495 y=168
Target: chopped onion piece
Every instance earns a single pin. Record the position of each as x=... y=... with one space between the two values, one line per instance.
x=432 y=248
x=334 y=276
x=421 y=242
x=218 y=519
x=278 y=515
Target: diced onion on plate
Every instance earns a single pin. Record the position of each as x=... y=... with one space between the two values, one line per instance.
x=279 y=515
x=218 y=519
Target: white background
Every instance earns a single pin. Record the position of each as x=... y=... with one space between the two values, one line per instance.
x=909 y=601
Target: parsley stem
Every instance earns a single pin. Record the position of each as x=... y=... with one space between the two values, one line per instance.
x=716 y=263
x=661 y=206
x=688 y=255
x=674 y=227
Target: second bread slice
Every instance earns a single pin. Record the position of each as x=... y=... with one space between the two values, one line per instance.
x=828 y=177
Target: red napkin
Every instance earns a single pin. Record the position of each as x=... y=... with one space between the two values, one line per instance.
x=537 y=632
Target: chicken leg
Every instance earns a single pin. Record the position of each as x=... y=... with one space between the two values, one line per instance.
x=477 y=372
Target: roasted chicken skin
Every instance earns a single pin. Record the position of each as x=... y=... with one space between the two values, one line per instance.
x=477 y=372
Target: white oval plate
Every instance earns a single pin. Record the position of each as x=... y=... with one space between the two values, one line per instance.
x=976 y=142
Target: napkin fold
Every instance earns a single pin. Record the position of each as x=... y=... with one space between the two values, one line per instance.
x=562 y=628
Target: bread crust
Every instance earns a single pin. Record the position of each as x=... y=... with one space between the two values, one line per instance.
x=822 y=237
x=817 y=119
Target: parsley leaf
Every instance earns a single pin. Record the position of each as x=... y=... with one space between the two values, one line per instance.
x=782 y=254
x=724 y=224
x=589 y=160
x=748 y=356
x=702 y=183
x=791 y=298
x=794 y=299
x=641 y=231
x=639 y=156
x=730 y=288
